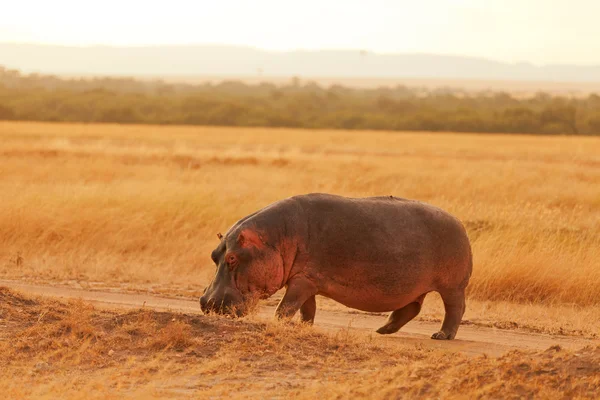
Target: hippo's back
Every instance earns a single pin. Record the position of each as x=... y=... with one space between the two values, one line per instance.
x=385 y=220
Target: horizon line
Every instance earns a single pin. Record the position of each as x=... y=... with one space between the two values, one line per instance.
x=287 y=51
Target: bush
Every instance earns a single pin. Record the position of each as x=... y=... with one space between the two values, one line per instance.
x=50 y=98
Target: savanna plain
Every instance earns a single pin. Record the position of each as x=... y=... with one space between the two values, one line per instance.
x=136 y=209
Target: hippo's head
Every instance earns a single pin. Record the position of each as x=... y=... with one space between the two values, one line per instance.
x=248 y=268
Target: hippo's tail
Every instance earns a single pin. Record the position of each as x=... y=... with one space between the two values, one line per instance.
x=469 y=266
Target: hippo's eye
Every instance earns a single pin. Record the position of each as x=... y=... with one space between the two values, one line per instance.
x=231 y=260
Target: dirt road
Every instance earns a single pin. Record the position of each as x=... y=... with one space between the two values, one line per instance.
x=471 y=339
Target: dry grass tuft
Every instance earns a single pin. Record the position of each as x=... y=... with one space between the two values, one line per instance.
x=77 y=334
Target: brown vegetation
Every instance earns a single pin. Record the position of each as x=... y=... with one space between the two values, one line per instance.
x=72 y=350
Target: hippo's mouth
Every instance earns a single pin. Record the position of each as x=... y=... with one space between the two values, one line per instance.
x=212 y=306
x=233 y=303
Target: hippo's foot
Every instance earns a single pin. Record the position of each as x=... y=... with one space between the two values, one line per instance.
x=441 y=335
x=400 y=317
x=387 y=329
x=454 y=304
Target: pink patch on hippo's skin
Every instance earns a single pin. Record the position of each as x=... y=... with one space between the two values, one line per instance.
x=249 y=238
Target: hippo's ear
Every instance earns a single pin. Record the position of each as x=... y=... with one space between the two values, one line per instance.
x=249 y=238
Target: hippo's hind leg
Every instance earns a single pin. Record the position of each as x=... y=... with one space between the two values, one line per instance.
x=402 y=316
x=454 y=305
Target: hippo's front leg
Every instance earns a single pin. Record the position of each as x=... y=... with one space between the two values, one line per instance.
x=300 y=293
x=308 y=310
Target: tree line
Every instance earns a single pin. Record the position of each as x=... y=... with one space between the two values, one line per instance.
x=297 y=104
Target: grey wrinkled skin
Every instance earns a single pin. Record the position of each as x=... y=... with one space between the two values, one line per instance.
x=373 y=254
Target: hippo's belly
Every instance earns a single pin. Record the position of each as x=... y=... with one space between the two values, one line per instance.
x=372 y=296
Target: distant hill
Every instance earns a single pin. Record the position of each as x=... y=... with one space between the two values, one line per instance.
x=194 y=60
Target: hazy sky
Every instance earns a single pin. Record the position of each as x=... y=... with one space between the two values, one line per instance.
x=538 y=31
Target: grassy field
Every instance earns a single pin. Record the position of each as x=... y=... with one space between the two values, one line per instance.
x=143 y=204
x=139 y=207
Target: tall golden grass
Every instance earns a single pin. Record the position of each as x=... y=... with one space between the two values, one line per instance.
x=143 y=204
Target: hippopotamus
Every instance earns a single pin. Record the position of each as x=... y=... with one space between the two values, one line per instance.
x=374 y=254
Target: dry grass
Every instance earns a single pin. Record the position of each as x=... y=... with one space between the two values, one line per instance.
x=138 y=207
x=142 y=204
x=51 y=349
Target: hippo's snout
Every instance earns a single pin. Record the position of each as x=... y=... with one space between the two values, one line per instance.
x=225 y=305
x=204 y=303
